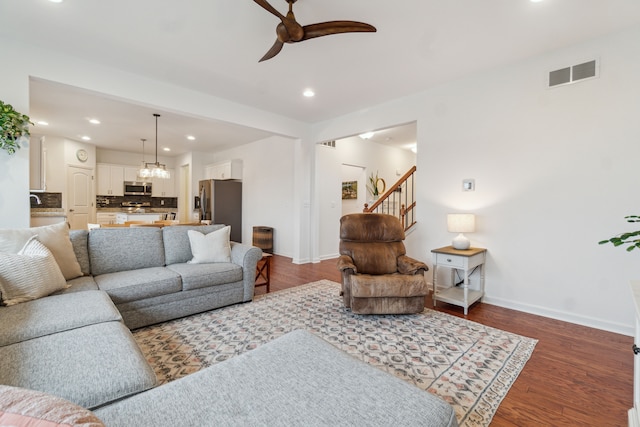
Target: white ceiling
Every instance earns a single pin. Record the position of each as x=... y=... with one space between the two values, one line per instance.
x=213 y=46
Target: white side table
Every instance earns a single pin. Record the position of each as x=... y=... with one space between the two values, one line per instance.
x=464 y=260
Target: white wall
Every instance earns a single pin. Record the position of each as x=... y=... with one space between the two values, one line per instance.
x=267 y=188
x=554 y=172
x=14 y=169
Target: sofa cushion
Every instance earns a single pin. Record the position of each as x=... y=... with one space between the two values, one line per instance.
x=125 y=286
x=195 y=276
x=388 y=285
x=79 y=284
x=89 y=366
x=212 y=247
x=22 y=407
x=125 y=248
x=55 y=237
x=31 y=273
x=295 y=380
x=79 y=240
x=54 y=314
x=176 y=241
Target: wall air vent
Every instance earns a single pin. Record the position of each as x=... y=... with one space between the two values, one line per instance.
x=331 y=144
x=574 y=74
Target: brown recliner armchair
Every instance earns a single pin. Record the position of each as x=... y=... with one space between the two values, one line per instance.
x=377 y=276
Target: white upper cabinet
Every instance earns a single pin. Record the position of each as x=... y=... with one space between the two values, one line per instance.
x=131 y=174
x=110 y=180
x=231 y=169
x=165 y=187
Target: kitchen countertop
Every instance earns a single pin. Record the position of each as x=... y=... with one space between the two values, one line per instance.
x=37 y=212
x=146 y=210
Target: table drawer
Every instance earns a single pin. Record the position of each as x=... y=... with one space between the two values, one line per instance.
x=450 y=260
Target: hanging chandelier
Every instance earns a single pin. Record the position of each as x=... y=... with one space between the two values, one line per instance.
x=153 y=170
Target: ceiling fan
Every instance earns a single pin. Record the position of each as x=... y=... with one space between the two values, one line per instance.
x=290 y=31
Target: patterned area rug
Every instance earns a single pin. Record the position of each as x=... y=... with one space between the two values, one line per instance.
x=469 y=365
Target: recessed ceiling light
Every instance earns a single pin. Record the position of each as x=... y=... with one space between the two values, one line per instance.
x=42 y=123
x=167 y=149
x=535 y=1
x=191 y=137
x=94 y=121
x=56 y=1
x=309 y=93
x=86 y=138
x=367 y=135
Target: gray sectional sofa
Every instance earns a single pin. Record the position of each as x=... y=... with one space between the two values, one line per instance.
x=76 y=345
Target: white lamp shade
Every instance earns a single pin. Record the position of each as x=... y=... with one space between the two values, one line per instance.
x=461 y=223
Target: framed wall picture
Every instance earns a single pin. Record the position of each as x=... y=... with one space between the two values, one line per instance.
x=349 y=190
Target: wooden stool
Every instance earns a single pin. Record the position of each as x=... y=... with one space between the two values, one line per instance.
x=262 y=271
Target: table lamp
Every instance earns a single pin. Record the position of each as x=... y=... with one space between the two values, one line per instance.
x=461 y=223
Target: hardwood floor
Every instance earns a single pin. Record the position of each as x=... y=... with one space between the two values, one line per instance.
x=577 y=376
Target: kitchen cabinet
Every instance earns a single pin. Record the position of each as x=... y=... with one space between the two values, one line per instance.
x=131 y=174
x=231 y=169
x=165 y=187
x=37 y=164
x=104 y=218
x=110 y=180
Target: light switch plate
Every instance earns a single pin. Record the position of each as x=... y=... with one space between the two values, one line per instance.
x=468 y=185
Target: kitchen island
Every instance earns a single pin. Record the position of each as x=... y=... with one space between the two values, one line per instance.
x=122 y=217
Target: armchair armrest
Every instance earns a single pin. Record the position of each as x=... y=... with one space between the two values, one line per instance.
x=408 y=265
x=345 y=263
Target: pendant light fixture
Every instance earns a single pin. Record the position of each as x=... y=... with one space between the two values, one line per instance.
x=144 y=171
x=153 y=170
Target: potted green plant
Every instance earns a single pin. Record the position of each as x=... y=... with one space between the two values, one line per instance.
x=631 y=238
x=13 y=126
x=374 y=186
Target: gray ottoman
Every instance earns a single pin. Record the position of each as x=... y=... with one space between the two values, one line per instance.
x=296 y=380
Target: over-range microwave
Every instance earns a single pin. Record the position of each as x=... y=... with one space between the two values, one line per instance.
x=132 y=188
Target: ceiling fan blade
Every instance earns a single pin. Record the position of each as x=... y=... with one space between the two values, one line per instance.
x=336 y=27
x=266 y=6
x=275 y=49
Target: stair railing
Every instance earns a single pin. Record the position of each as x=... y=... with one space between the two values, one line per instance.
x=399 y=200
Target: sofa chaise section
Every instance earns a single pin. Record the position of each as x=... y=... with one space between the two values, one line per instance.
x=74 y=346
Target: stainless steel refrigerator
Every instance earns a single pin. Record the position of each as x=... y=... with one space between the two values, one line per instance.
x=221 y=203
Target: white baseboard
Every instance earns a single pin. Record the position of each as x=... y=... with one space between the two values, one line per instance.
x=330 y=256
x=591 y=322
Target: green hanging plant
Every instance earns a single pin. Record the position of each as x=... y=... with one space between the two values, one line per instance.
x=13 y=126
x=631 y=238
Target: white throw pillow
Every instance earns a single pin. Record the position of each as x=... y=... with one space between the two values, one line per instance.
x=55 y=237
x=212 y=247
x=30 y=274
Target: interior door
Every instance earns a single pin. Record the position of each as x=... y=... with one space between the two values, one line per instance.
x=79 y=197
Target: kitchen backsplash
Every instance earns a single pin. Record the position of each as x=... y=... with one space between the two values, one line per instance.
x=48 y=200
x=156 y=202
